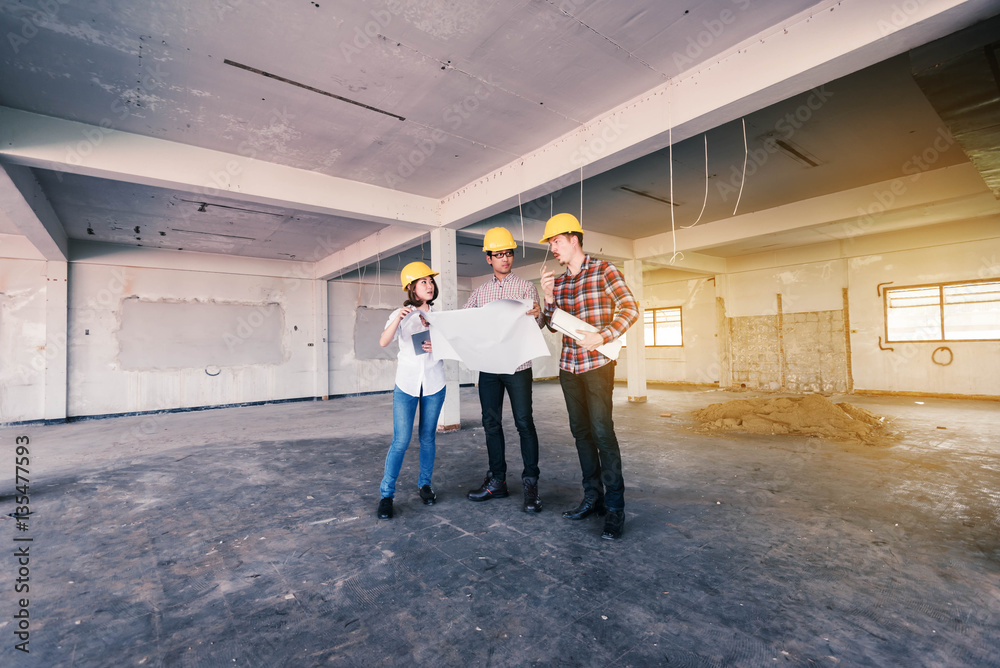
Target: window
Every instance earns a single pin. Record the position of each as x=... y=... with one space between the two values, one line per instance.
x=945 y=312
x=662 y=327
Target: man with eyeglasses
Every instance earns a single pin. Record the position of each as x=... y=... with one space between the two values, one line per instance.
x=499 y=247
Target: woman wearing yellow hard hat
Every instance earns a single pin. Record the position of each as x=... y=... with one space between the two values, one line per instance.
x=419 y=381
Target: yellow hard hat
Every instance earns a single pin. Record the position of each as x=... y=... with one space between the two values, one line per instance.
x=561 y=223
x=414 y=271
x=498 y=238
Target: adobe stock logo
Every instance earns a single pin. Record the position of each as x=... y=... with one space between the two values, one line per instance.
x=913 y=169
x=454 y=116
x=703 y=39
x=784 y=129
x=43 y=12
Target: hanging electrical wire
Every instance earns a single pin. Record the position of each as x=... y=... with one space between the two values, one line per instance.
x=746 y=153
x=705 y=201
x=524 y=247
x=670 y=165
x=378 y=264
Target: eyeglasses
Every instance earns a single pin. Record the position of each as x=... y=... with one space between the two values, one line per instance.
x=506 y=253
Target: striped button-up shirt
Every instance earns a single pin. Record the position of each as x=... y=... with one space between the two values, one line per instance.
x=597 y=295
x=512 y=287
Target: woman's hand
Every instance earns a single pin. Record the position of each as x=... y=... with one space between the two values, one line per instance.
x=427 y=346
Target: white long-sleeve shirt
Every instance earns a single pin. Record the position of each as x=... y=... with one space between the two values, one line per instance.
x=414 y=371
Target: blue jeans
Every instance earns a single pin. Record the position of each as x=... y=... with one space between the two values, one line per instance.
x=491 y=390
x=404 y=409
x=588 y=402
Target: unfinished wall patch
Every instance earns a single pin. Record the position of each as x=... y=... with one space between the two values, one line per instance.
x=160 y=335
x=369 y=323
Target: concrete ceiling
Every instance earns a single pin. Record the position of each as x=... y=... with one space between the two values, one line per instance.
x=341 y=134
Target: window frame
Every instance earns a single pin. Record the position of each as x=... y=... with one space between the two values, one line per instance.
x=680 y=324
x=941 y=310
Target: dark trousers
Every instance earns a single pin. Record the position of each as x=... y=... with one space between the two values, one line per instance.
x=588 y=402
x=518 y=387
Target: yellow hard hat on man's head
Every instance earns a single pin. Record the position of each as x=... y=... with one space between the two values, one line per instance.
x=414 y=271
x=498 y=238
x=561 y=223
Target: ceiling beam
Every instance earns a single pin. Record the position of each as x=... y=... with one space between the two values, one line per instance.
x=607 y=246
x=843 y=215
x=831 y=39
x=45 y=142
x=24 y=203
x=383 y=243
x=690 y=261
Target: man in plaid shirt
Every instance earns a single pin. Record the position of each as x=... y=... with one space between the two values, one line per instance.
x=594 y=291
x=499 y=247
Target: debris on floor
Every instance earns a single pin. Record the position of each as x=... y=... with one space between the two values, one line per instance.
x=812 y=414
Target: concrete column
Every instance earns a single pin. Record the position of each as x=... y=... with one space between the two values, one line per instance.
x=444 y=260
x=636 y=356
x=321 y=319
x=56 y=326
x=722 y=324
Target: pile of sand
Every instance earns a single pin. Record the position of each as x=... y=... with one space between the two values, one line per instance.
x=811 y=414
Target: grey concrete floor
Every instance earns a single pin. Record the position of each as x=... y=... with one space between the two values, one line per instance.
x=247 y=536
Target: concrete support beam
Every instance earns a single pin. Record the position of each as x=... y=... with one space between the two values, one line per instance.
x=321 y=368
x=385 y=242
x=117 y=255
x=17 y=247
x=23 y=202
x=51 y=143
x=636 y=355
x=56 y=339
x=606 y=246
x=725 y=349
x=691 y=261
x=444 y=260
x=830 y=39
x=956 y=192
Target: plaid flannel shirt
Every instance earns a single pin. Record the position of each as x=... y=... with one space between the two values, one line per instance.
x=512 y=287
x=597 y=295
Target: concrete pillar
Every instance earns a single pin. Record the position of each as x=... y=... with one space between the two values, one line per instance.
x=321 y=319
x=444 y=260
x=636 y=356
x=722 y=324
x=56 y=326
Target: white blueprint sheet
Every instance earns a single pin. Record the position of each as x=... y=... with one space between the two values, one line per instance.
x=496 y=338
x=568 y=324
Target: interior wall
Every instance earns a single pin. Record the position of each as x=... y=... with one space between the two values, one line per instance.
x=785 y=317
x=909 y=367
x=23 y=354
x=256 y=342
x=348 y=374
x=786 y=325
x=697 y=361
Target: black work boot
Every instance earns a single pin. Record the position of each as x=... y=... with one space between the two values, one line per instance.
x=592 y=503
x=384 y=511
x=532 y=504
x=614 y=525
x=492 y=488
x=427 y=495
